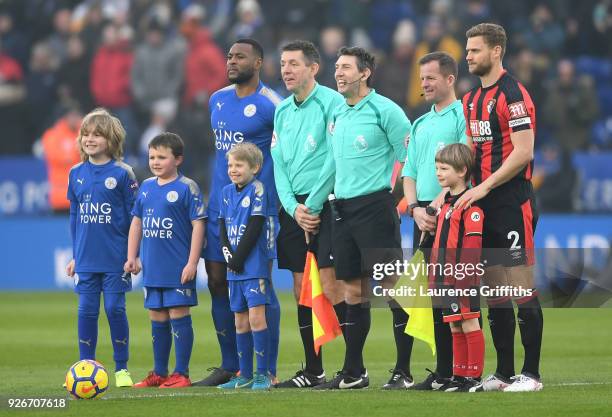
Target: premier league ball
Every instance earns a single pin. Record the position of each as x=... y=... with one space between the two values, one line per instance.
x=87 y=379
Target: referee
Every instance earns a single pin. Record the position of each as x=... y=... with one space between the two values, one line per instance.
x=299 y=148
x=443 y=125
x=368 y=136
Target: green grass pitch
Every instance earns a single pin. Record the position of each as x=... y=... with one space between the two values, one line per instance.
x=38 y=344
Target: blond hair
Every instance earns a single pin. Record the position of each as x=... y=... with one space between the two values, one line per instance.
x=247 y=152
x=102 y=123
x=459 y=156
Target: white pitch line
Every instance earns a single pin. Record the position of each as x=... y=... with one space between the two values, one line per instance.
x=248 y=392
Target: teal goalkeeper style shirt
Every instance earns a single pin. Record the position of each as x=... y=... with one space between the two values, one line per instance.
x=430 y=133
x=367 y=139
x=300 y=142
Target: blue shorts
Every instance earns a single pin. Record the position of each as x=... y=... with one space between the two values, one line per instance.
x=160 y=297
x=96 y=282
x=248 y=293
x=212 y=246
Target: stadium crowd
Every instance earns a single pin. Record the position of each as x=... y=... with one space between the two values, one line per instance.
x=155 y=63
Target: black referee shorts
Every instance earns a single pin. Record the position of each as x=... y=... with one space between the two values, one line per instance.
x=291 y=241
x=365 y=231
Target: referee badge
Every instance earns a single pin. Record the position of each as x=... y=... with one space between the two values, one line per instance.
x=331 y=128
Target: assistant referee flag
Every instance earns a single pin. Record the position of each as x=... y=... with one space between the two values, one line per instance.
x=325 y=325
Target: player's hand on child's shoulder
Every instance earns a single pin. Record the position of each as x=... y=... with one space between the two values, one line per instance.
x=189 y=273
x=70 y=268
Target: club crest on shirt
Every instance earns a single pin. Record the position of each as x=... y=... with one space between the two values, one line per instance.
x=360 y=143
x=246 y=201
x=172 y=196
x=310 y=145
x=110 y=183
x=330 y=127
x=475 y=217
x=250 y=110
x=490 y=105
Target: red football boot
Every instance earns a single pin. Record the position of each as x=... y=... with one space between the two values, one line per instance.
x=152 y=380
x=176 y=380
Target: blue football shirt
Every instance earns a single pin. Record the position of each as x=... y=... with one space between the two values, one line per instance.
x=237 y=207
x=234 y=120
x=166 y=212
x=101 y=199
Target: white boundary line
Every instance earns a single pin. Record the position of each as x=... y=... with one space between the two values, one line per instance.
x=209 y=392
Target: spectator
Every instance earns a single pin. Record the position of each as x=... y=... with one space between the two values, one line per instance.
x=110 y=79
x=204 y=62
x=14 y=41
x=250 y=24
x=435 y=38
x=58 y=41
x=545 y=34
x=73 y=75
x=571 y=107
x=12 y=105
x=391 y=80
x=41 y=88
x=157 y=72
x=331 y=39
x=61 y=153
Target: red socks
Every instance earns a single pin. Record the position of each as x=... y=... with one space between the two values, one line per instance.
x=468 y=354
x=476 y=350
x=460 y=354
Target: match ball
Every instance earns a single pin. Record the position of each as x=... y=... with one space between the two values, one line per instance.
x=87 y=379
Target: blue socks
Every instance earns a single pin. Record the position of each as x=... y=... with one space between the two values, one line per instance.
x=244 y=341
x=114 y=305
x=162 y=343
x=223 y=319
x=88 y=312
x=261 y=341
x=273 y=315
x=182 y=332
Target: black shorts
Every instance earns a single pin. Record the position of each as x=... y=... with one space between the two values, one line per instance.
x=291 y=241
x=457 y=308
x=365 y=231
x=510 y=219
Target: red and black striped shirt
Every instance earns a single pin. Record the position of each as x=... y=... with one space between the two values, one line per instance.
x=458 y=240
x=491 y=114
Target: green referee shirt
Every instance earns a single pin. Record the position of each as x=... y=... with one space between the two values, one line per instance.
x=300 y=142
x=367 y=139
x=430 y=133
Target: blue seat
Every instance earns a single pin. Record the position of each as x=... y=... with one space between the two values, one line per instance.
x=598 y=68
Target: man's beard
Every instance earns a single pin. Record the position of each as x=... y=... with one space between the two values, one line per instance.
x=242 y=76
x=482 y=69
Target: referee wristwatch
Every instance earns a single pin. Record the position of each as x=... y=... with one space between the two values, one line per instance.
x=411 y=208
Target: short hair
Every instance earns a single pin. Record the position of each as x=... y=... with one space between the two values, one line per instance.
x=248 y=152
x=311 y=53
x=102 y=123
x=458 y=156
x=256 y=46
x=493 y=35
x=364 y=59
x=448 y=65
x=169 y=140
